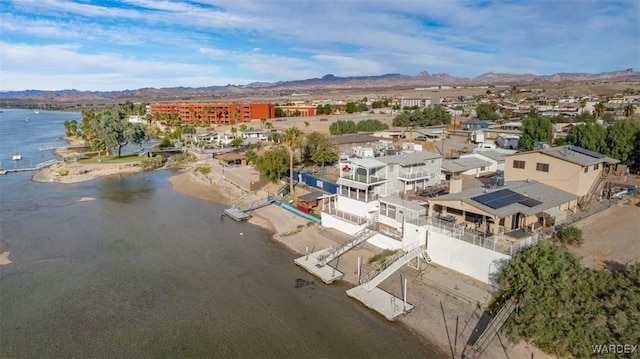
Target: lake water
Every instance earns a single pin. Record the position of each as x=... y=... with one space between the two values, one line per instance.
x=143 y=271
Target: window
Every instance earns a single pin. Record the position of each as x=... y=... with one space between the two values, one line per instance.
x=586 y=169
x=518 y=164
x=544 y=167
x=483 y=168
x=595 y=167
x=457 y=212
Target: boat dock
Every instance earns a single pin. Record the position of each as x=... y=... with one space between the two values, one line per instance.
x=382 y=302
x=312 y=263
x=317 y=263
x=241 y=213
x=37 y=167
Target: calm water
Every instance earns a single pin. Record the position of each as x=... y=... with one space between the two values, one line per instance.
x=143 y=271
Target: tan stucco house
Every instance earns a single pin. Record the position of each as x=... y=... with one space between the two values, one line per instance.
x=570 y=168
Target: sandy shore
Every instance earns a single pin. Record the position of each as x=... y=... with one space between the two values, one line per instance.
x=435 y=312
x=4 y=258
x=73 y=172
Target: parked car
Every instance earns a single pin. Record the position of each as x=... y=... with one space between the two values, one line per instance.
x=421 y=138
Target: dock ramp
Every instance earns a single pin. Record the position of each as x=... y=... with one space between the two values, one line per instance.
x=317 y=263
x=379 y=300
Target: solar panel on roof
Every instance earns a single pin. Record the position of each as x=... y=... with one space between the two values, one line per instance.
x=503 y=198
x=498 y=199
x=586 y=152
x=529 y=202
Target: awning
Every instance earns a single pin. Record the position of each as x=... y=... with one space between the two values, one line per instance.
x=559 y=215
x=352 y=184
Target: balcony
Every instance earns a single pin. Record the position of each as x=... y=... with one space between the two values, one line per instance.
x=415 y=176
x=364 y=178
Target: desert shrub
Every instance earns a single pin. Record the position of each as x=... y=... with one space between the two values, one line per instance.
x=165 y=142
x=204 y=169
x=379 y=257
x=63 y=171
x=570 y=236
x=180 y=159
x=152 y=163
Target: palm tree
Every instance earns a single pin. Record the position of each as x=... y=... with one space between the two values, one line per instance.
x=598 y=109
x=292 y=139
x=629 y=110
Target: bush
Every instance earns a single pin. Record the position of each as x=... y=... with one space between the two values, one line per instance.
x=381 y=256
x=204 y=169
x=152 y=163
x=570 y=236
x=63 y=171
x=180 y=159
x=165 y=142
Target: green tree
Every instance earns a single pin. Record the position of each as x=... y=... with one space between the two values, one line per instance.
x=371 y=125
x=350 y=107
x=236 y=142
x=535 y=128
x=277 y=111
x=116 y=131
x=570 y=236
x=327 y=109
x=564 y=308
x=629 y=110
x=343 y=127
x=273 y=164
x=598 y=110
x=487 y=111
x=262 y=122
x=319 y=109
x=320 y=149
x=622 y=139
x=292 y=139
x=591 y=136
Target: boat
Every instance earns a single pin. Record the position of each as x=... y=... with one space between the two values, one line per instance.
x=16 y=157
x=36 y=111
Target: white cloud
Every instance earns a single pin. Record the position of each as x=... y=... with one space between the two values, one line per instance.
x=255 y=40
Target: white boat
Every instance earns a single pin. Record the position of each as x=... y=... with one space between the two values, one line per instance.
x=16 y=157
x=36 y=111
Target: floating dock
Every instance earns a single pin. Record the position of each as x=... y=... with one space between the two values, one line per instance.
x=312 y=264
x=241 y=214
x=236 y=214
x=382 y=302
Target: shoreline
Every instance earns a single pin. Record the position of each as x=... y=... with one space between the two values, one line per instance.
x=427 y=321
x=298 y=236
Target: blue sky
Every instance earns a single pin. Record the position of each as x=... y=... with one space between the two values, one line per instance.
x=131 y=44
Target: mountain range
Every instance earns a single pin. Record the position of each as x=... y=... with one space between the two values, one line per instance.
x=327 y=82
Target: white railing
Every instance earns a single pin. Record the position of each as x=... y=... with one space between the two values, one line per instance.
x=389 y=266
x=415 y=175
x=495 y=243
x=347 y=216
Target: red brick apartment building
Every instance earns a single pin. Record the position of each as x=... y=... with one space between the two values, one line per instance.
x=218 y=113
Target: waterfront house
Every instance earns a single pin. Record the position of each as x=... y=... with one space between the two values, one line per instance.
x=569 y=168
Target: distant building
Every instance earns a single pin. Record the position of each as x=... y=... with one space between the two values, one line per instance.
x=214 y=113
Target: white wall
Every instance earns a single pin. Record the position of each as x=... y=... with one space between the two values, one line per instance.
x=378 y=240
x=356 y=207
x=384 y=242
x=330 y=221
x=475 y=261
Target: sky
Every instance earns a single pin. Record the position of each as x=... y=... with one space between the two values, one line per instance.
x=109 y=45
